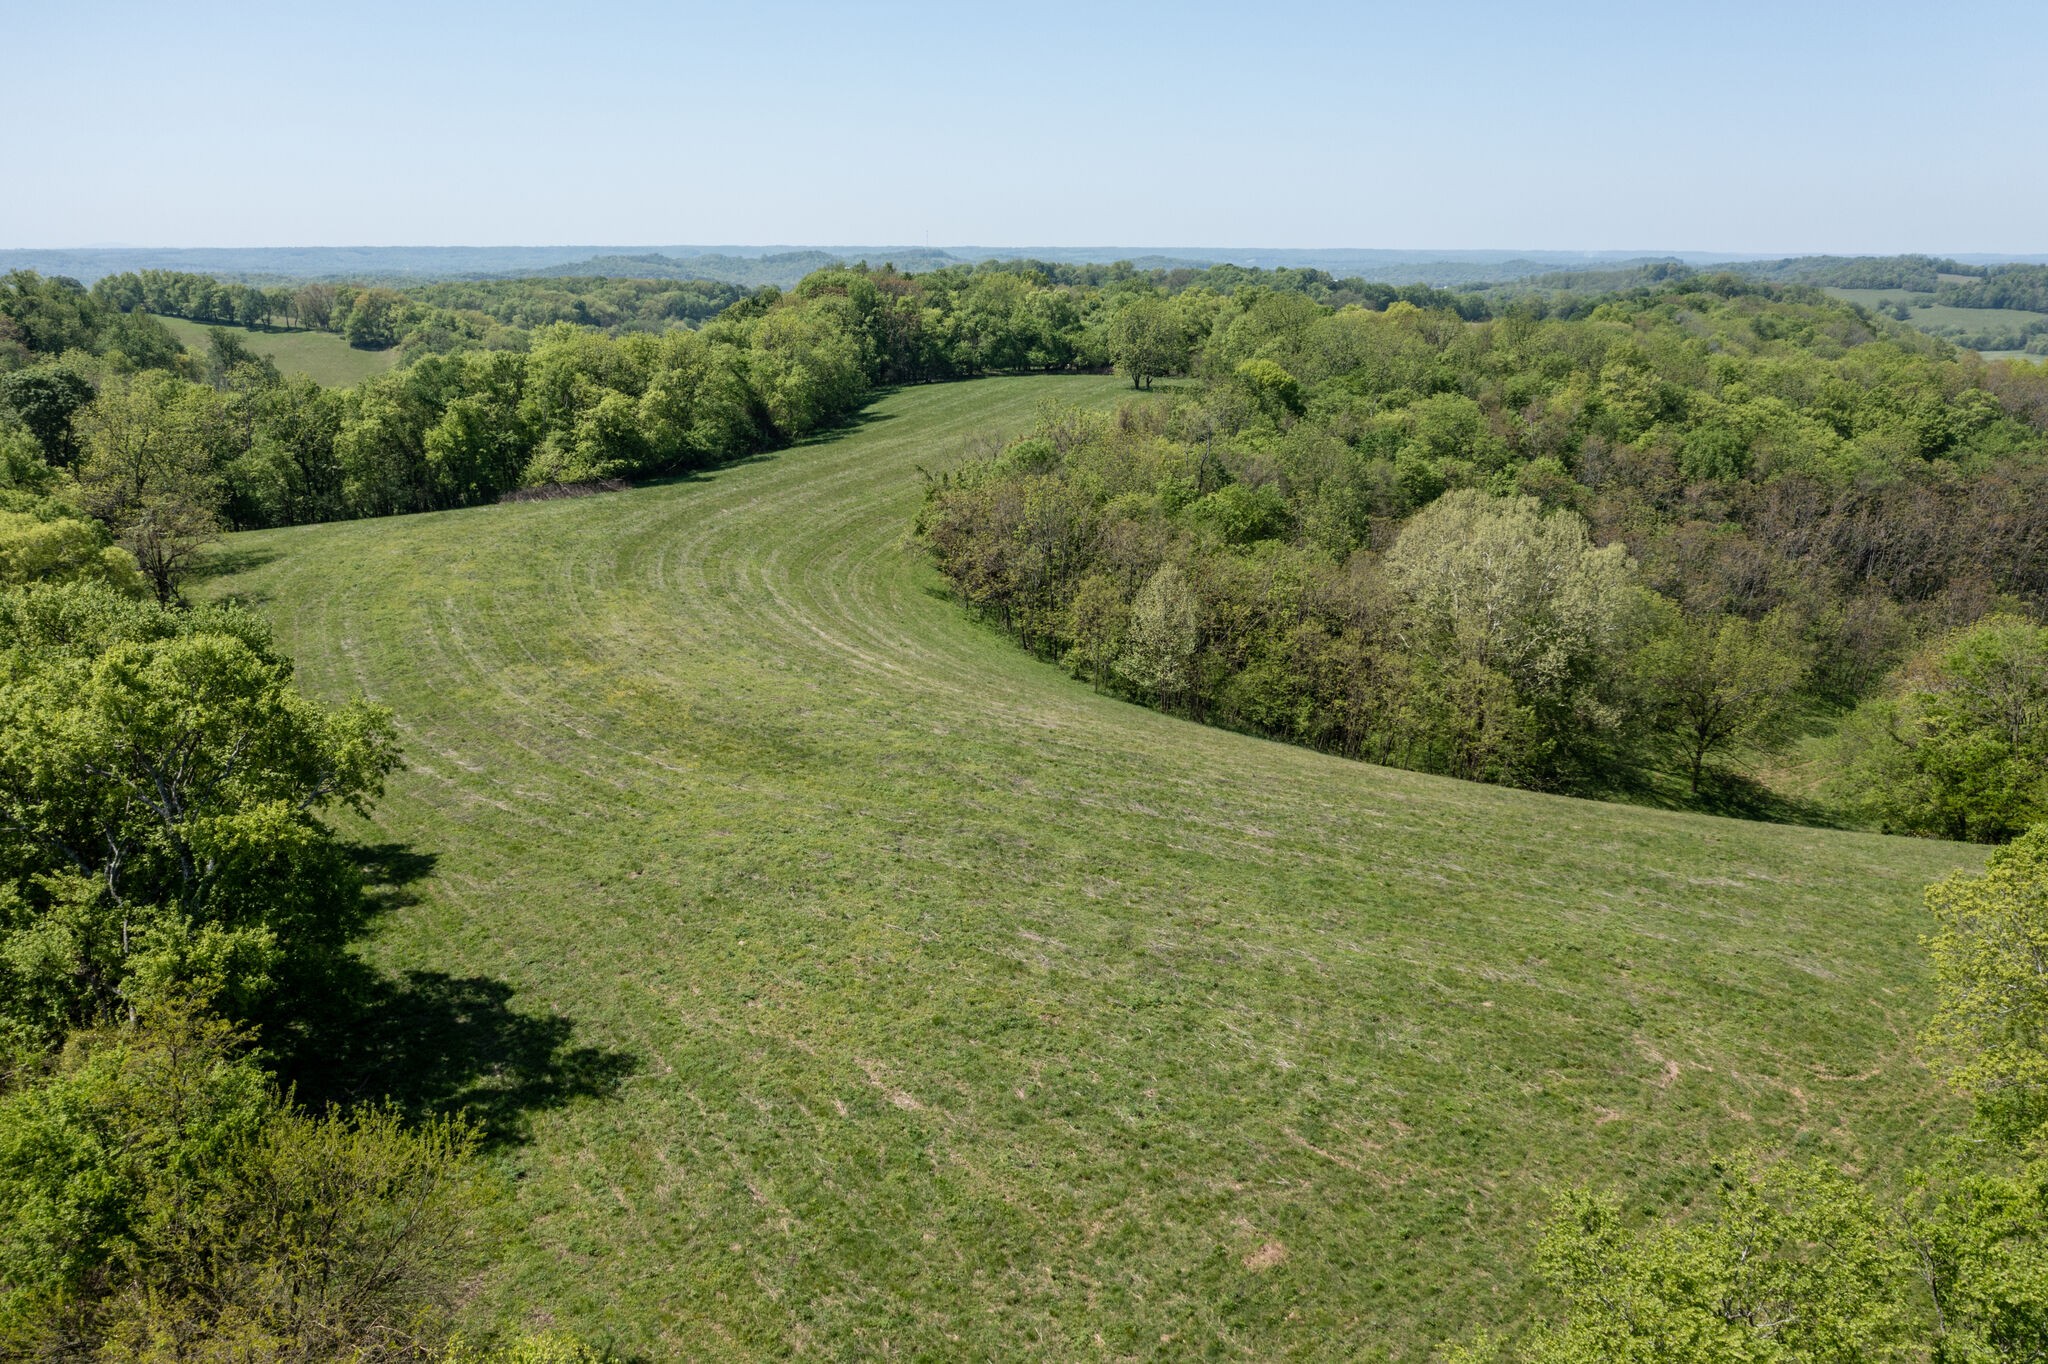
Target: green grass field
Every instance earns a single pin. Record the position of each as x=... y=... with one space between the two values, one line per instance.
x=321 y=356
x=1929 y=316
x=959 y=1012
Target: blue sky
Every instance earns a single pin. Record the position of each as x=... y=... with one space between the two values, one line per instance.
x=1782 y=127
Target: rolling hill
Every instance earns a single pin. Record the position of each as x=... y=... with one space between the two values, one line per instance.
x=321 y=356
x=850 y=984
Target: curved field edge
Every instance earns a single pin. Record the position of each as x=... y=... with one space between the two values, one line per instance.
x=321 y=356
x=973 y=1014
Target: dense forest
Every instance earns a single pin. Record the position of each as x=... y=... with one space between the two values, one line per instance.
x=2007 y=286
x=1915 y=272
x=485 y=314
x=1568 y=553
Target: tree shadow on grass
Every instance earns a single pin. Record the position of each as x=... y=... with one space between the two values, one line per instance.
x=702 y=473
x=224 y=561
x=429 y=1043
x=432 y=1043
x=853 y=421
x=389 y=872
x=1732 y=795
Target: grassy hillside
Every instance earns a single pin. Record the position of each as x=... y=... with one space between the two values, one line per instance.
x=1940 y=318
x=320 y=356
x=957 y=1012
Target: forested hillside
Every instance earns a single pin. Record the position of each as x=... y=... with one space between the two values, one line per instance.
x=781 y=774
x=1587 y=553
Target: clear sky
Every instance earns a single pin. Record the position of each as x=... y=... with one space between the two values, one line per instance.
x=1766 y=127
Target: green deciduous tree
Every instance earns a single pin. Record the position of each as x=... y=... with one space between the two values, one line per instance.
x=161 y=792
x=230 y=362
x=1991 y=1026
x=1276 y=392
x=1795 y=1264
x=1496 y=585
x=57 y=548
x=1501 y=582
x=1718 y=684
x=1099 y=616
x=47 y=398
x=806 y=370
x=372 y=319
x=1242 y=515
x=1159 y=638
x=160 y=1202
x=1146 y=340
x=148 y=470
x=314 y=304
x=1960 y=749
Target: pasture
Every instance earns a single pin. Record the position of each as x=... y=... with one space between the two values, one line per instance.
x=321 y=356
x=846 y=983
x=1940 y=319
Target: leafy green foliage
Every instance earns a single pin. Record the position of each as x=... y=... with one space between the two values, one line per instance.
x=1593 y=552
x=1146 y=340
x=1960 y=747
x=159 y=1201
x=47 y=397
x=161 y=786
x=41 y=543
x=1975 y=1236
x=55 y=319
x=1991 y=1028
x=162 y=854
x=1795 y=1264
x=1720 y=684
x=152 y=445
x=550 y=1347
x=1860 y=272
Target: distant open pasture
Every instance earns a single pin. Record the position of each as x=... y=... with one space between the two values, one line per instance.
x=321 y=356
x=950 y=1010
x=1929 y=316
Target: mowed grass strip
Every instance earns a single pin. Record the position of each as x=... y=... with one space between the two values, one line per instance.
x=975 y=1015
x=321 y=356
